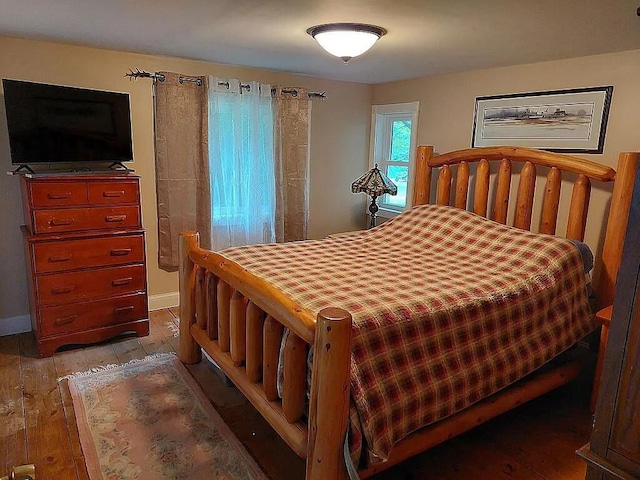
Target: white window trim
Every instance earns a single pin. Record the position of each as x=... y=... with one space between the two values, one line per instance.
x=388 y=112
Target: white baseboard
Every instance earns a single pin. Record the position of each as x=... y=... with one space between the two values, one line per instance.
x=164 y=300
x=13 y=325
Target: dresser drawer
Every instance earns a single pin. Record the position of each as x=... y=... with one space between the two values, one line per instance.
x=67 y=287
x=59 y=256
x=77 y=219
x=58 y=194
x=92 y=314
x=113 y=192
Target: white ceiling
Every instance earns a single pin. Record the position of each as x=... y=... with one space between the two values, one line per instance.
x=425 y=37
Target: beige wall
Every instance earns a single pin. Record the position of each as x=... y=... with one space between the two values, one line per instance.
x=447 y=106
x=339 y=144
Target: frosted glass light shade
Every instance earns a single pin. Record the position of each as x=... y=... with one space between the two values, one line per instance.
x=346 y=40
x=346 y=44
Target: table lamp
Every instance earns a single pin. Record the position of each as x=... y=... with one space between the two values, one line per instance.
x=374 y=183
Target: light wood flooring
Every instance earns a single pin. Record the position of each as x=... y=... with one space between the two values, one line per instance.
x=534 y=442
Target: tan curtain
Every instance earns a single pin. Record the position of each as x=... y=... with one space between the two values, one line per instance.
x=292 y=127
x=182 y=171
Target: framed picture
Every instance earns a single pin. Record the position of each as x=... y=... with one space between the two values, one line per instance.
x=558 y=121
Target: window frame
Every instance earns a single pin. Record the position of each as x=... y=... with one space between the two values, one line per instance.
x=382 y=118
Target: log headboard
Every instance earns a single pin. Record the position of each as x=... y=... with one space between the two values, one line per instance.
x=526 y=162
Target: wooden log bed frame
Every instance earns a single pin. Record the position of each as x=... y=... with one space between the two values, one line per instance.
x=238 y=318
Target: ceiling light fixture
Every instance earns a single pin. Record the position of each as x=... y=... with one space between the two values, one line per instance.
x=346 y=40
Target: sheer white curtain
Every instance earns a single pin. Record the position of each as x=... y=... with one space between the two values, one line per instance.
x=241 y=160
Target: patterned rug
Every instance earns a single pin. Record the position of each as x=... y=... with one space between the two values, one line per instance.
x=148 y=419
x=174 y=326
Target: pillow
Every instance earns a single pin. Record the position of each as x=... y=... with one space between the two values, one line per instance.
x=587 y=256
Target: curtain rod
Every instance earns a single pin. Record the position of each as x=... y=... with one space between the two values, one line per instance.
x=198 y=81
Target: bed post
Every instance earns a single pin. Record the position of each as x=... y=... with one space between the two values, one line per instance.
x=189 y=350
x=329 y=409
x=612 y=249
x=616 y=226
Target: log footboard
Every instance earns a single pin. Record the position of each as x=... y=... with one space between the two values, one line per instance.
x=239 y=322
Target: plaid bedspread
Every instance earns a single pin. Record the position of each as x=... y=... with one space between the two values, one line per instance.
x=447 y=307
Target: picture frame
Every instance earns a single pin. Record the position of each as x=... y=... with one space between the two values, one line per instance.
x=571 y=121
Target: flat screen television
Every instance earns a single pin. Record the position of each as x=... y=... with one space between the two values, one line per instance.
x=57 y=124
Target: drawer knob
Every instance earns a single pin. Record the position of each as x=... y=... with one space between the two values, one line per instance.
x=59 y=258
x=58 y=195
x=121 y=281
x=113 y=193
x=62 y=290
x=120 y=252
x=56 y=222
x=128 y=308
x=65 y=320
x=115 y=218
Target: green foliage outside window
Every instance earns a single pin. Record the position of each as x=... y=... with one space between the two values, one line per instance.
x=400 y=140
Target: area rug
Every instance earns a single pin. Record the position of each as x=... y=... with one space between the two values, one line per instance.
x=174 y=326
x=149 y=420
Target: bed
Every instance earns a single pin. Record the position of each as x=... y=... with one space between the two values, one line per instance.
x=260 y=311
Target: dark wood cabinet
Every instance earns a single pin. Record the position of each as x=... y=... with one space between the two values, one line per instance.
x=614 y=450
x=85 y=258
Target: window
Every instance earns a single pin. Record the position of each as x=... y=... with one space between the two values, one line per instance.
x=393 y=145
x=241 y=164
x=241 y=151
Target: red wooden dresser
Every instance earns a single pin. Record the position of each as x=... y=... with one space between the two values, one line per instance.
x=85 y=254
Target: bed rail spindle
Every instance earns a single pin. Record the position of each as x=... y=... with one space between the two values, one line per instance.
x=272 y=338
x=295 y=377
x=201 y=298
x=550 y=202
x=503 y=188
x=224 y=301
x=422 y=177
x=462 y=186
x=481 y=195
x=524 y=200
x=211 y=284
x=579 y=208
x=443 y=196
x=189 y=349
x=238 y=328
x=255 y=325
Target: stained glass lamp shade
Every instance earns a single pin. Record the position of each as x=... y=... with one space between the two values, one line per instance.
x=374 y=183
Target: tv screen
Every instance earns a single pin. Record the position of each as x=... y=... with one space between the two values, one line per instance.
x=56 y=124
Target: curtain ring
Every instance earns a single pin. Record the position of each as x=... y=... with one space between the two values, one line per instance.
x=197 y=81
